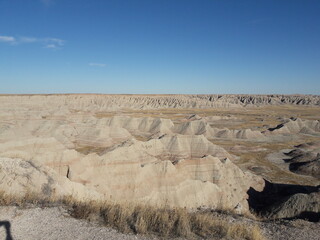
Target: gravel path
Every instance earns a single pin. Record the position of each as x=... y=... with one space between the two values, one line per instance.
x=292 y=230
x=54 y=223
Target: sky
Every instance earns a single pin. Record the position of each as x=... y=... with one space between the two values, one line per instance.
x=160 y=46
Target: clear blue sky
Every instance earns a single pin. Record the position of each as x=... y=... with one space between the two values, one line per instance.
x=160 y=46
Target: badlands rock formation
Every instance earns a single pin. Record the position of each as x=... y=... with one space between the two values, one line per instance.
x=306 y=206
x=100 y=147
x=62 y=103
x=288 y=201
x=187 y=171
x=305 y=159
x=201 y=127
x=20 y=177
x=296 y=125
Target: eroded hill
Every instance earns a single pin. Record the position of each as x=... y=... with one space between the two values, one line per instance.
x=193 y=151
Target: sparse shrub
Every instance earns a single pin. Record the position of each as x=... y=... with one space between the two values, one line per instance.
x=182 y=225
x=140 y=224
x=205 y=225
x=5 y=199
x=256 y=233
x=243 y=231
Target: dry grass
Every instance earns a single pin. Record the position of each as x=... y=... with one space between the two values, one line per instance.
x=144 y=219
x=165 y=222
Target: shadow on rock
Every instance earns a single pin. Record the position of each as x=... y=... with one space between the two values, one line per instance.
x=286 y=201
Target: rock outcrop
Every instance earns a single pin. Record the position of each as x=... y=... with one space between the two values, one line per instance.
x=201 y=127
x=305 y=206
x=305 y=159
x=297 y=125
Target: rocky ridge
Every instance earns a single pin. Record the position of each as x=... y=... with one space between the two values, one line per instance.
x=96 y=102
